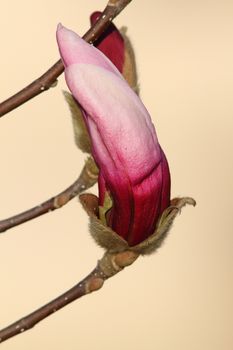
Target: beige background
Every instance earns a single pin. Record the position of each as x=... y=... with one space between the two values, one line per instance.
x=181 y=297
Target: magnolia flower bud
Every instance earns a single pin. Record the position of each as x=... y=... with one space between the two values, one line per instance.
x=133 y=170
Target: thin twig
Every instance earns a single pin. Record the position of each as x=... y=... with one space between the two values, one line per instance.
x=107 y=267
x=49 y=78
x=87 y=178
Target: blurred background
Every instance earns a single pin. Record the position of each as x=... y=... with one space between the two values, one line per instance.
x=179 y=298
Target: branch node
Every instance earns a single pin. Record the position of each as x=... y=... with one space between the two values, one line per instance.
x=61 y=200
x=94 y=284
x=54 y=84
x=112 y=263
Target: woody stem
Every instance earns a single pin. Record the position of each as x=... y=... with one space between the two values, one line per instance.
x=49 y=78
x=87 y=178
x=107 y=267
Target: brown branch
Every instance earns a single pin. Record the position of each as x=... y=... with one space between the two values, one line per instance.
x=107 y=267
x=87 y=178
x=49 y=78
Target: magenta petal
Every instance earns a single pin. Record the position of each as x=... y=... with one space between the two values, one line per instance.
x=166 y=185
x=111 y=43
x=148 y=200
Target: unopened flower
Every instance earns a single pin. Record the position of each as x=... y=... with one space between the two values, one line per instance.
x=134 y=179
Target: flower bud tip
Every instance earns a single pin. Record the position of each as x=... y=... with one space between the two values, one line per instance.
x=59 y=26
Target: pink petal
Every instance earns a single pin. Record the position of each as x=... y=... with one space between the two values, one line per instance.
x=74 y=49
x=117 y=115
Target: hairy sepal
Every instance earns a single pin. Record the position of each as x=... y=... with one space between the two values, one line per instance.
x=82 y=138
x=105 y=237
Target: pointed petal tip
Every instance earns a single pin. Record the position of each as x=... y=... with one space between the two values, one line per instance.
x=59 y=30
x=59 y=26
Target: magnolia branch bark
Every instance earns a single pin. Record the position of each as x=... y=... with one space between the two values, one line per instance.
x=49 y=78
x=87 y=178
x=107 y=267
